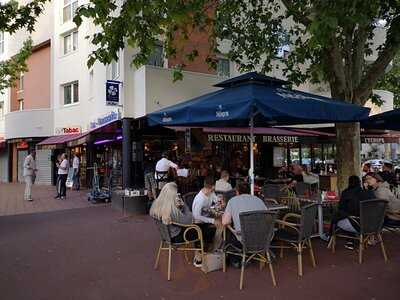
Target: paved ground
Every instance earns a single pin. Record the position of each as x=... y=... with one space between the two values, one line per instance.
x=12 y=200
x=95 y=254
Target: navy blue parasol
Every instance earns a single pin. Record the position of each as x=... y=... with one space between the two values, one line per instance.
x=252 y=100
x=389 y=120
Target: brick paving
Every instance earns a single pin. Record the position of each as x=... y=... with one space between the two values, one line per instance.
x=97 y=254
x=12 y=202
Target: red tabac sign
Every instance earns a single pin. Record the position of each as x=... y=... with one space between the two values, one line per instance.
x=68 y=130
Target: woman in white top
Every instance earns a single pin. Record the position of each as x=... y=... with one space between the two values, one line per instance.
x=63 y=169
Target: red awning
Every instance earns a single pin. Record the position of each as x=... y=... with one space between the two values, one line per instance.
x=59 y=139
x=62 y=140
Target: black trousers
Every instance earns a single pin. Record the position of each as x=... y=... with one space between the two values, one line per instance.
x=62 y=187
x=232 y=240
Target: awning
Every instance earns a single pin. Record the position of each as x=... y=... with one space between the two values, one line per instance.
x=71 y=140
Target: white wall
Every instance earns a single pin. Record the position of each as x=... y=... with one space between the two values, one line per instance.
x=29 y=123
x=153 y=89
x=73 y=67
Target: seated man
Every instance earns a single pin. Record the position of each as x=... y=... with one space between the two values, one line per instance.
x=223 y=185
x=243 y=202
x=204 y=200
x=382 y=191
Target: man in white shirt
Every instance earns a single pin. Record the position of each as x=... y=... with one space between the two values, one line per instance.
x=164 y=164
x=29 y=174
x=76 y=177
x=204 y=200
x=63 y=169
x=162 y=169
x=223 y=185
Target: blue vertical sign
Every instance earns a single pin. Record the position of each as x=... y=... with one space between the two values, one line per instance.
x=112 y=92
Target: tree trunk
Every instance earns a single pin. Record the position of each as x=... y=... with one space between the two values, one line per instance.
x=347 y=152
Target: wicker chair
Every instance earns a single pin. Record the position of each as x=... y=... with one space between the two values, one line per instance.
x=298 y=235
x=372 y=215
x=303 y=189
x=228 y=195
x=274 y=191
x=256 y=233
x=188 y=199
x=187 y=245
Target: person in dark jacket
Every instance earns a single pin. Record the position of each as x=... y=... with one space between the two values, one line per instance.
x=349 y=205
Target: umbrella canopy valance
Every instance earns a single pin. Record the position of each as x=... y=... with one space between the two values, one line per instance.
x=389 y=120
x=265 y=99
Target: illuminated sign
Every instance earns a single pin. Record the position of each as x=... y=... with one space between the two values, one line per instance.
x=245 y=138
x=109 y=118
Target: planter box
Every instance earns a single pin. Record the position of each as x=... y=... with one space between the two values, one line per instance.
x=135 y=204
x=117 y=200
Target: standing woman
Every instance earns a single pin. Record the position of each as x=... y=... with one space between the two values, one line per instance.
x=63 y=168
x=168 y=208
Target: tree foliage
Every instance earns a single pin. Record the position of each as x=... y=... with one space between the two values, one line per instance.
x=330 y=41
x=14 y=17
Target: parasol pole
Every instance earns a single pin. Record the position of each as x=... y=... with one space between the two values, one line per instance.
x=251 y=171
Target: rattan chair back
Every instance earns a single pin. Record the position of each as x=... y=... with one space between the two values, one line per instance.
x=273 y=191
x=372 y=215
x=188 y=199
x=164 y=231
x=257 y=228
x=308 y=216
x=303 y=189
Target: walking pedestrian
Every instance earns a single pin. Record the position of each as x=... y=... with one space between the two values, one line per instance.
x=76 y=177
x=63 y=168
x=29 y=174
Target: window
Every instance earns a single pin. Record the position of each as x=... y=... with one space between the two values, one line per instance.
x=114 y=68
x=157 y=57
x=70 y=42
x=21 y=82
x=69 y=10
x=223 y=67
x=21 y=104
x=1 y=42
x=71 y=93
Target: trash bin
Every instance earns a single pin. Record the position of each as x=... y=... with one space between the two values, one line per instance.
x=117 y=200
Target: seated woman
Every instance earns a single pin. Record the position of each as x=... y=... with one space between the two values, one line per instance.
x=169 y=208
x=349 y=205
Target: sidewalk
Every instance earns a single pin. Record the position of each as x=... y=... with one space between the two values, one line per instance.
x=12 y=203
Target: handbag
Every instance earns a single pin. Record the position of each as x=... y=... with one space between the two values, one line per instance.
x=212 y=262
